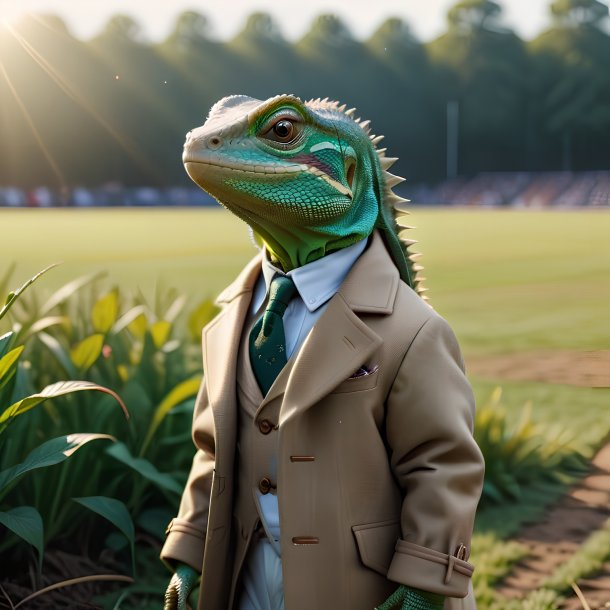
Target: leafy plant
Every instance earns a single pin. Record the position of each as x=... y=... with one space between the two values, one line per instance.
x=148 y=355
x=521 y=455
x=25 y=521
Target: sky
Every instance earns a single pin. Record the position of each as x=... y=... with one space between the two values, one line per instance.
x=85 y=18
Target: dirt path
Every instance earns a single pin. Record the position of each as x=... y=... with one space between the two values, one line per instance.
x=571 y=367
x=565 y=527
x=587 y=506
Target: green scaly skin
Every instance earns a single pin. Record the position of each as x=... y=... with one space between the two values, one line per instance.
x=306 y=177
x=180 y=586
x=309 y=180
x=405 y=598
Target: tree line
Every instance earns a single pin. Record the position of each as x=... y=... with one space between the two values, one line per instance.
x=116 y=107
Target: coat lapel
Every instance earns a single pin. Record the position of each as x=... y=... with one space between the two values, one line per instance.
x=337 y=345
x=220 y=348
x=341 y=342
x=333 y=350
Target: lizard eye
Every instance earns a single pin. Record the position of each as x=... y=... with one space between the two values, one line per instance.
x=283 y=131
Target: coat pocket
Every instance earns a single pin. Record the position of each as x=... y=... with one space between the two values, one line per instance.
x=376 y=543
x=358 y=384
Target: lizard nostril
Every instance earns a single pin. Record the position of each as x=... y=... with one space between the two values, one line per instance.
x=214 y=142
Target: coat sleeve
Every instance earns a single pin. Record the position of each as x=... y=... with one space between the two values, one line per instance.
x=186 y=532
x=437 y=463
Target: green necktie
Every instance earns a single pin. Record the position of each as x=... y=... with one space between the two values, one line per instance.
x=267 y=340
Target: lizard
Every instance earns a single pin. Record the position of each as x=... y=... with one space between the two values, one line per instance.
x=309 y=179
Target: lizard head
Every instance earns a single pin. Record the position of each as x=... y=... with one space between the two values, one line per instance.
x=304 y=175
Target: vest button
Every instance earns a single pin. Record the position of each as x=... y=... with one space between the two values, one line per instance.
x=265 y=426
x=265 y=485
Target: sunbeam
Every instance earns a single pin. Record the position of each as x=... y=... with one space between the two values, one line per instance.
x=138 y=156
x=45 y=151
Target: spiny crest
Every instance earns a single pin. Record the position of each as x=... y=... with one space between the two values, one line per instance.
x=392 y=200
x=325 y=104
x=397 y=206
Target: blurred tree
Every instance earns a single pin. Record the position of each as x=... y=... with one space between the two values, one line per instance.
x=484 y=66
x=570 y=87
x=410 y=114
x=336 y=63
x=201 y=71
x=191 y=29
x=138 y=105
x=470 y=16
x=117 y=106
x=125 y=28
x=265 y=63
x=579 y=12
x=337 y=66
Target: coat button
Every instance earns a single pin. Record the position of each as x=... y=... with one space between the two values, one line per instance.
x=265 y=426
x=265 y=485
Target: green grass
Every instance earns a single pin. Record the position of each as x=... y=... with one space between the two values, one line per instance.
x=511 y=280
x=506 y=280
x=582 y=415
x=196 y=251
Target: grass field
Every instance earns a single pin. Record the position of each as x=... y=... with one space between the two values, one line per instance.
x=505 y=280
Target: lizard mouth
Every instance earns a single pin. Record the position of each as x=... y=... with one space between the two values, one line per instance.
x=202 y=170
x=249 y=168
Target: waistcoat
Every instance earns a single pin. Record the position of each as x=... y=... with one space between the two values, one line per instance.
x=257 y=440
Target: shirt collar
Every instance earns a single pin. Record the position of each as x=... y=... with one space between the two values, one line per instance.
x=317 y=281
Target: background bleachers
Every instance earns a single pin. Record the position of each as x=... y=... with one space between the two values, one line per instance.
x=487 y=189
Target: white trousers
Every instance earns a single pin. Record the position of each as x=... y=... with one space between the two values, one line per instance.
x=262 y=585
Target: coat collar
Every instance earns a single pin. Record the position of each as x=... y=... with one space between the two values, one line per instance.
x=375 y=295
x=372 y=283
x=338 y=344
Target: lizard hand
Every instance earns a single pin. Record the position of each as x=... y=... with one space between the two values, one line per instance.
x=405 y=598
x=180 y=587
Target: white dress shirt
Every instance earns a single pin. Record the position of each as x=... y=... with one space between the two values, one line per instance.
x=316 y=283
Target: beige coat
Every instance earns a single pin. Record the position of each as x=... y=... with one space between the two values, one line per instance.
x=378 y=476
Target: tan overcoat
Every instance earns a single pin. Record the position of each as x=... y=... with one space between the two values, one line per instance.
x=378 y=475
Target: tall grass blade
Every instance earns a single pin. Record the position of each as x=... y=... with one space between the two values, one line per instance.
x=176 y=396
x=116 y=512
x=26 y=522
x=142 y=466
x=129 y=317
x=6 y=278
x=105 y=312
x=44 y=323
x=86 y=352
x=75 y=581
x=5 y=342
x=59 y=352
x=15 y=295
x=48 y=454
x=175 y=308
x=8 y=365
x=53 y=391
x=7 y=598
x=580 y=596
x=160 y=331
x=67 y=290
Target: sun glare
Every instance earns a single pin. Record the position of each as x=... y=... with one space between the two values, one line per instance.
x=10 y=15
